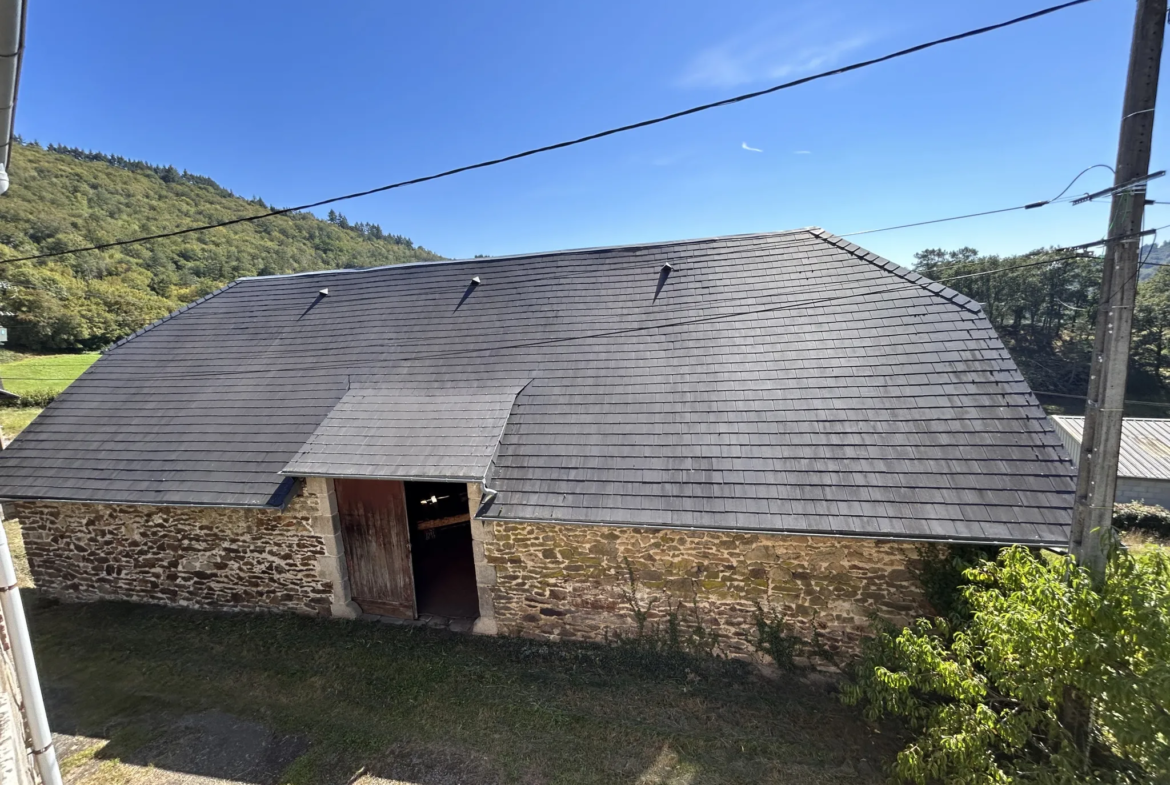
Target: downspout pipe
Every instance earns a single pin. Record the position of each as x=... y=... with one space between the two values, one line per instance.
x=12 y=24
x=44 y=754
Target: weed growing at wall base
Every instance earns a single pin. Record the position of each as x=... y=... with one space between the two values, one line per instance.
x=676 y=629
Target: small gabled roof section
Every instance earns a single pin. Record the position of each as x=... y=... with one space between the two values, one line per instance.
x=443 y=431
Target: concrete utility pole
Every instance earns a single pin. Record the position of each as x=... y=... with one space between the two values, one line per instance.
x=1101 y=436
x=1092 y=527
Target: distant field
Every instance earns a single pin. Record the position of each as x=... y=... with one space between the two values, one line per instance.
x=32 y=373
x=16 y=419
x=39 y=378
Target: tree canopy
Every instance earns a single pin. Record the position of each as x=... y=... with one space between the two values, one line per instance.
x=1046 y=313
x=66 y=198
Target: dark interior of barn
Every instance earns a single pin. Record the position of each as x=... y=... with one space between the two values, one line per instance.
x=440 y=539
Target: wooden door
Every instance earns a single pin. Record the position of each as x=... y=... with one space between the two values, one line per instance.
x=376 y=534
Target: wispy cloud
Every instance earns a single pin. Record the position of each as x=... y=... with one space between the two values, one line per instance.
x=773 y=50
x=753 y=149
x=802 y=152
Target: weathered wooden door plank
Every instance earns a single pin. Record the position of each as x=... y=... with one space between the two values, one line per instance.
x=376 y=535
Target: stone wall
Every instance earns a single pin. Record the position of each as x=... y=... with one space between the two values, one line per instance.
x=197 y=557
x=559 y=581
x=554 y=581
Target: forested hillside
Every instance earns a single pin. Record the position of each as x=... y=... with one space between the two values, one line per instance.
x=1046 y=315
x=65 y=198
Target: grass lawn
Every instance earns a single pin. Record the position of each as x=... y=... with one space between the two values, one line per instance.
x=23 y=374
x=14 y=420
x=26 y=374
x=428 y=706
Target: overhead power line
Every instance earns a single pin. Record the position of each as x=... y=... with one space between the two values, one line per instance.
x=1084 y=171
x=940 y=220
x=804 y=303
x=1085 y=398
x=1029 y=206
x=572 y=142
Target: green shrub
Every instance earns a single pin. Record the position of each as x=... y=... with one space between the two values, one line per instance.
x=983 y=696
x=33 y=398
x=1135 y=516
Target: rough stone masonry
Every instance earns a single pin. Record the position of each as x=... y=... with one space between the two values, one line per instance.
x=197 y=557
x=582 y=582
x=550 y=581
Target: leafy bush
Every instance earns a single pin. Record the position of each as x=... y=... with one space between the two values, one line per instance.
x=1136 y=516
x=38 y=399
x=984 y=696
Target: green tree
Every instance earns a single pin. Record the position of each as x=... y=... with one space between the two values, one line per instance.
x=983 y=696
x=1152 y=326
x=1046 y=313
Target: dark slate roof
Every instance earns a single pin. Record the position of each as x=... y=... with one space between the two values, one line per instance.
x=409 y=432
x=774 y=382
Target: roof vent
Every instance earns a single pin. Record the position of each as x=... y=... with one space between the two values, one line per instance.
x=475 y=281
x=324 y=292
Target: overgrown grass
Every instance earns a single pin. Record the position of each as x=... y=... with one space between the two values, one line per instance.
x=362 y=693
x=39 y=377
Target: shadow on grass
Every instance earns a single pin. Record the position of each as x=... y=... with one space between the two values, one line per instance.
x=264 y=698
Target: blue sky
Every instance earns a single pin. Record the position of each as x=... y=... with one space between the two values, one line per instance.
x=280 y=101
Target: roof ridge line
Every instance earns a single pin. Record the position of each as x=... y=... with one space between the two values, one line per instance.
x=527 y=255
x=932 y=286
x=168 y=317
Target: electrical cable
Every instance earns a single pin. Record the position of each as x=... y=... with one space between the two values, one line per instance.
x=899 y=286
x=1085 y=398
x=942 y=220
x=1078 y=177
x=1029 y=206
x=570 y=143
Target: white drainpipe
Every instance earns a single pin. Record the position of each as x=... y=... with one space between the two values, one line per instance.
x=11 y=48
x=44 y=755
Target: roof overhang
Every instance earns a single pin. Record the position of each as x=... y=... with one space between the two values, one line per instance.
x=445 y=432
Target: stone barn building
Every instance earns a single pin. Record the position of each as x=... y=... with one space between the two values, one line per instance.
x=523 y=444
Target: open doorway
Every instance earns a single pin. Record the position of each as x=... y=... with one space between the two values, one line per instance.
x=440 y=540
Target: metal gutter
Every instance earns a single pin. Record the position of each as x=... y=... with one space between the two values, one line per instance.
x=400 y=477
x=13 y=19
